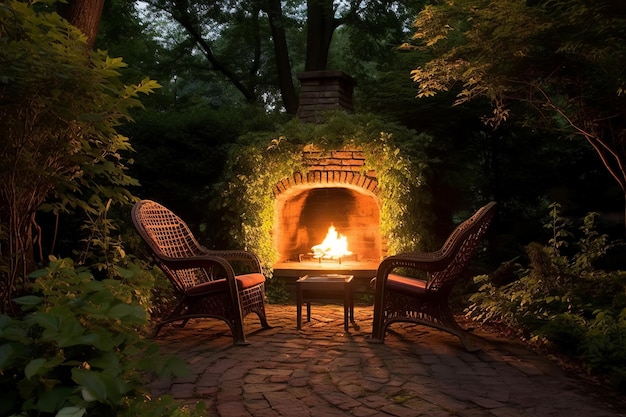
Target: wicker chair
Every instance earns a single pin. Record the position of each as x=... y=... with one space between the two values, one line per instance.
x=401 y=297
x=204 y=280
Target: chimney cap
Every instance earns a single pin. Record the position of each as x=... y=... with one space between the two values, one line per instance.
x=326 y=74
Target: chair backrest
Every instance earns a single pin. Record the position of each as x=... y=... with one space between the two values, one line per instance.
x=460 y=247
x=168 y=236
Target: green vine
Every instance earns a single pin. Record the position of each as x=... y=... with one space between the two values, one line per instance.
x=261 y=160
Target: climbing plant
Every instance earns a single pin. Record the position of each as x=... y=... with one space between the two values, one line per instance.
x=260 y=160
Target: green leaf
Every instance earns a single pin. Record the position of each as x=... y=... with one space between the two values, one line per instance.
x=50 y=401
x=120 y=311
x=28 y=300
x=102 y=340
x=47 y=321
x=34 y=366
x=39 y=273
x=71 y=412
x=92 y=382
x=5 y=321
x=126 y=273
x=6 y=351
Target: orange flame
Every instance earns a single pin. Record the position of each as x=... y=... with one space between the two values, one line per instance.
x=334 y=246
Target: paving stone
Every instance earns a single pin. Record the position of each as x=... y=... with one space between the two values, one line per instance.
x=324 y=371
x=509 y=412
x=248 y=388
x=232 y=409
x=398 y=410
x=364 y=412
x=486 y=402
x=182 y=391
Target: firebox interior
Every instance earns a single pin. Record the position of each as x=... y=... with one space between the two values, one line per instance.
x=303 y=218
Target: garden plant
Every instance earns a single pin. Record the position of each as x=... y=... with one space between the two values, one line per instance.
x=564 y=301
x=71 y=331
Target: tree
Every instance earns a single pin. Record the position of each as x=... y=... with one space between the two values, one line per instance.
x=253 y=66
x=85 y=15
x=562 y=59
x=321 y=24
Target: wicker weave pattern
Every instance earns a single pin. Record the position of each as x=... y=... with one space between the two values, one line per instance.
x=443 y=268
x=188 y=264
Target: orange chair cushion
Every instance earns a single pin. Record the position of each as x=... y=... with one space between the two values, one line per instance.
x=249 y=280
x=243 y=282
x=406 y=285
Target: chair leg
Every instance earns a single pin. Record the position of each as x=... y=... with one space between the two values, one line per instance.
x=433 y=313
x=467 y=344
x=253 y=301
x=156 y=330
x=239 y=335
x=263 y=320
x=378 y=323
x=448 y=323
x=171 y=316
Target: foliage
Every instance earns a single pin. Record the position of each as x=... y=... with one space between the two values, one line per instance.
x=183 y=152
x=276 y=292
x=261 y=160
x=78 y=350
x=256 y=46
x=563 y=299
x=559 y=59
x=60 y=105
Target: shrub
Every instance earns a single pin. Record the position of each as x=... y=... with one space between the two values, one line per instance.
x=60 y=106
x=562 y=300
x=78 y=349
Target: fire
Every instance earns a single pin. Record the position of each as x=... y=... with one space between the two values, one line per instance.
x=334 y=246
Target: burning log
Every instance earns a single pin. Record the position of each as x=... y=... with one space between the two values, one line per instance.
x=334 y=246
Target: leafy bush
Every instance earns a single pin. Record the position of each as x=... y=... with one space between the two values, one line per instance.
x=562 y=299
x=60 y=106
x=78 y=349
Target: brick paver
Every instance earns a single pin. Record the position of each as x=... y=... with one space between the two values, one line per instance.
x=323 y=371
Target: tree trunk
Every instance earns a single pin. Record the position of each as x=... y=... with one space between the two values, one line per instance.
x=321 y=24
x=288 y=92
x=85 y=15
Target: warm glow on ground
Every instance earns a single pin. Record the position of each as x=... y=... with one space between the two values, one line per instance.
x=334 y=246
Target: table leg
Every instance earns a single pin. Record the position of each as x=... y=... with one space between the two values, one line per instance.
x=346 y=305
x=308 y=311
x=351 y=293
x=298 y=307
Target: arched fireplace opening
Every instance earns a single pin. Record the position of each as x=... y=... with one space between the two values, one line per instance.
x=305 y=214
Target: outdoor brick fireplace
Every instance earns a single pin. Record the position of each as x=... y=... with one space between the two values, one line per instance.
x=334 y=192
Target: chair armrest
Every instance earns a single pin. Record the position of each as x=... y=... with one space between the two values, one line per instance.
x=207 y=262
x=234 y=256
x=423 y=261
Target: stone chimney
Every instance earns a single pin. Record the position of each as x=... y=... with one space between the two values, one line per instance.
x=323 y=91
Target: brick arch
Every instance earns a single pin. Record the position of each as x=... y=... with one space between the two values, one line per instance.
x=306 y=205
x=335 y=188
x=331 y=178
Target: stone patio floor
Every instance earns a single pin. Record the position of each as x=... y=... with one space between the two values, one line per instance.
x=323 y=371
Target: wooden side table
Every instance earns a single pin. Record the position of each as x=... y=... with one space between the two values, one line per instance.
x=329 y=286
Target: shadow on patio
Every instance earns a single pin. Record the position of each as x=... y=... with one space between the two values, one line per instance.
x=323 y=371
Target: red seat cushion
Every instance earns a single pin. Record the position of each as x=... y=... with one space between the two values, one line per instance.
x=249 y=280
x=406 y=285
x=243 y=282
